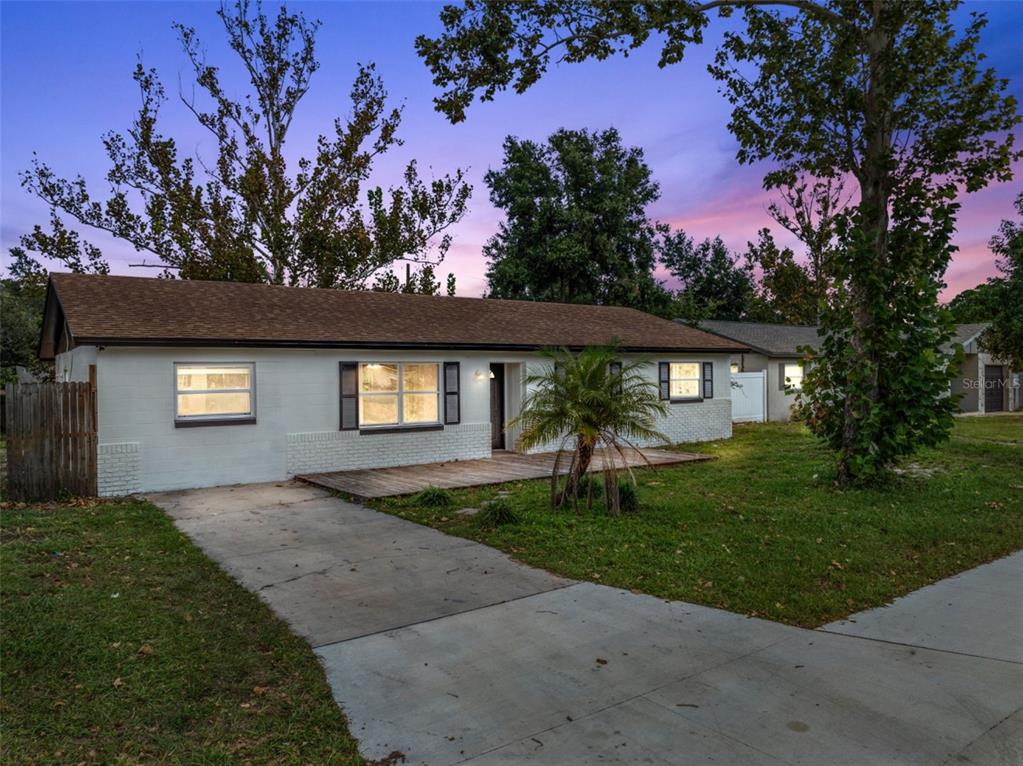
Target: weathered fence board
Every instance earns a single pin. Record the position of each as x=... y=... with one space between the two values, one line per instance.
x=51 y=440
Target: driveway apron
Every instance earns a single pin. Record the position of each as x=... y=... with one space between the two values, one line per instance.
x=445 y=651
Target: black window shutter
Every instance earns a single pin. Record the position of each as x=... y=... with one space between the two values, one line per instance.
x=781 y=376
x=615 y=368
x=452 y=400
x=349 y=396
x=708 y=380
x=664 y=377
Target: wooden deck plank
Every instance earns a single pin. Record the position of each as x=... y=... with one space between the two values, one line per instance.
x=502 y=467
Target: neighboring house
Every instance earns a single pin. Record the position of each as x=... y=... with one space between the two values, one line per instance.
x=208 y=383
x=773 y=350
x=986 y=384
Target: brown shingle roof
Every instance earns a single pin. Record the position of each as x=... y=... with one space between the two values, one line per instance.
x=108 y=310
x=768 y=338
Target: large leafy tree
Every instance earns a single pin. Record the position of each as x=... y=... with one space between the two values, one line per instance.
x=713 y=283
x=978 y=304
x=888 y=94
x=575 y=228
x=810 y=209
x=787 y=290
x=1004 y=338
x=22 y=295
x=248 y=213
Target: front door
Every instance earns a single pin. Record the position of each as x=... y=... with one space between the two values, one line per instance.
x=497 y=406
x=993 y=376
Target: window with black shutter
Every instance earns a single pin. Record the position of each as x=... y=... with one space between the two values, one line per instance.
x=615 y=369
x=452 y=400
x=664 y=379
x=708 y=380
x=349 y=396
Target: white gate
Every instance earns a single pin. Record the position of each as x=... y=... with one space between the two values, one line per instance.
x=749 y=394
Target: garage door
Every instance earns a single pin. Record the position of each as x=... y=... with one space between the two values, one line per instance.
x=993 y=383
x=749 y=392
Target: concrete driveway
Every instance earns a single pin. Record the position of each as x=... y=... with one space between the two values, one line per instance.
x=446 y=651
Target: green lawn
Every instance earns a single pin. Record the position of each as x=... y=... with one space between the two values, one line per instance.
x=761 y=530
x=122 y=643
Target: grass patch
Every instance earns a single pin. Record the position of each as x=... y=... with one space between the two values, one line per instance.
x=763 y=531
x=496 y=513
x=123 y=643
x=433 y=497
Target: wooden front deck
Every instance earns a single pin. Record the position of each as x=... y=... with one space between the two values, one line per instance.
x=501 y=467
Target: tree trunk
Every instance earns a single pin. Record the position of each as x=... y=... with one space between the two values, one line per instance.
x=864 y=287
x=581 y=464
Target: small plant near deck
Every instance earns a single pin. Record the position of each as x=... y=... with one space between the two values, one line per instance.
x=433 y=497
x=628 y=500
x=496 y=513
x=593 y=400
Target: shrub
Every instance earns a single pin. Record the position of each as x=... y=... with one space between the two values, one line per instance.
x=628 y=500
x=496 y=513
x=590 y=483
x=433 y=497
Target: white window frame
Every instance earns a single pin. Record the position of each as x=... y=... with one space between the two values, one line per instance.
x=248 y=417
x=400 y=394
x=698 y=379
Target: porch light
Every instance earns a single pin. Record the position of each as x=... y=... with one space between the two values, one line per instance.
x=492 y=376
x=480 y=375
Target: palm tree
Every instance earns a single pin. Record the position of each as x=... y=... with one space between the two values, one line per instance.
x=594 y=400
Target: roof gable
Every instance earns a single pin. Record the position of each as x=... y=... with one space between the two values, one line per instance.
x=110 y=310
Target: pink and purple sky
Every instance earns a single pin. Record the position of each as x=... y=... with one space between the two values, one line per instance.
x=66 y=79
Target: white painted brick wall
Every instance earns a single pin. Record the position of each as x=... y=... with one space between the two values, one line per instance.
x=698 y=421
x=118 y=469
x=701 y=421
x=320 y=451
x=685 y=422
x=297 y=417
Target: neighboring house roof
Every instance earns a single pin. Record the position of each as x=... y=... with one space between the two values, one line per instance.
x=133 y=311
x=964 y=335
x=770 y=339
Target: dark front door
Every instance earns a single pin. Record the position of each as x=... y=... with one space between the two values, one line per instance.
x=497 y=406
x=993 y=387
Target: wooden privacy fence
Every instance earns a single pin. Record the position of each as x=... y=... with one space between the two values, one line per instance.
x=51 y=440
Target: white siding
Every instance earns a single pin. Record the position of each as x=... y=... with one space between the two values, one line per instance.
x=73 y=366
x=686 y=421
x=297 y=417
x=779 y=401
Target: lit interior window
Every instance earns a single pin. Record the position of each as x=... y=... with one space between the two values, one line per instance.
x=794 y=376
x=399 y=393
x=685 y=380
x=214 y=391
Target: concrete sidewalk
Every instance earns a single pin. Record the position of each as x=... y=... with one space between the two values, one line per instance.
x=446 y=651
x=978 y=612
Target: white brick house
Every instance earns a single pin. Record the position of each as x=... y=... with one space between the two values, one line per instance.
x=210 y=383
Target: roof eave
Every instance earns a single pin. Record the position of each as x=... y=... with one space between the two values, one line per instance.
x=395 y=345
